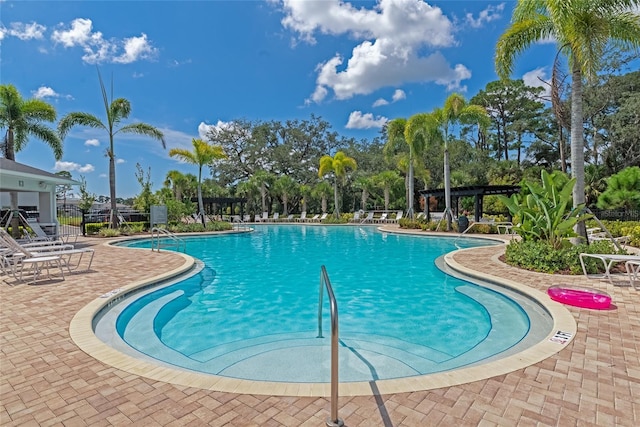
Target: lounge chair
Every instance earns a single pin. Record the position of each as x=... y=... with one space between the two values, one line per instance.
x=356 y=216
x=323 y=217
x=289 y=218
x=303 y=217
x=398 y=217
x=313 y=219
x=64 y=252
x=383 y=217
x=275 y=217
x=369 y=217
x=38 y=231
x=264 y=218
x=608 y=260
x=633 y=270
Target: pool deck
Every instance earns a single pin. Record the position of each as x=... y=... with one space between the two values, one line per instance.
x=47 y=380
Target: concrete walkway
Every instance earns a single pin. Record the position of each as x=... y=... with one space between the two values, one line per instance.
x=45 y=379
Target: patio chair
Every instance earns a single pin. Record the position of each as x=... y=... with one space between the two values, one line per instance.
x=264 y=218
x=274 y=218
x=608 y=260
x=303 y=217
x=17 y=264
x=369 y=218
x=65 y=253
x=633 y=270
x=289 y=218
x=313 y=219
x=38 y=231
x=356 y=216
x=383 y=217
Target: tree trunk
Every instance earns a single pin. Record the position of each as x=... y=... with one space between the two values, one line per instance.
x=200 y=202
x=386 y=197
x=10 y=154
x=577 y=143
x=447 y=189
x=410 y=198
x=112 y=188
x=336 y=209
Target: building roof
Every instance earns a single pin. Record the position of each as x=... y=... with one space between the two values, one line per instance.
x=473 y=190
x=10 y=167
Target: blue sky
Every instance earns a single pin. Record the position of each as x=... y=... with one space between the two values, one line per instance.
x=187 y=65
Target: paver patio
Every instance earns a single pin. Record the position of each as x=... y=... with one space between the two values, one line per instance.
x=46 y=380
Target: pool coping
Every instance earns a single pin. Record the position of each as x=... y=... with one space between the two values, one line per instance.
x=82 y=334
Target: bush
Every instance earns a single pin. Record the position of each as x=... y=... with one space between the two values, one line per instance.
x=198 y=228
x=108 y=232
x=540 y=255
x=95 y=227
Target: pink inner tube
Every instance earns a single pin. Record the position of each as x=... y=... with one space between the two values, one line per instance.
x=580 y=297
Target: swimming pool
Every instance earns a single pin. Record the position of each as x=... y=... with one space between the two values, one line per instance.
x=250 y=312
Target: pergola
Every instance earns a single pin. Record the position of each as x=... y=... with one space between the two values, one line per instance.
x=477 y=191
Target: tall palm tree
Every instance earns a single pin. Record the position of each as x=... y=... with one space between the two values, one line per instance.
x=263 y=180
x=583 y=30
x=412 y=134
x=285 y=187
x=386 y=180
x=116 y=110
x=23 y=118
x=337 y=164
x=456 y=111
x=322 y=191
x=203 y=154
x=177 y=181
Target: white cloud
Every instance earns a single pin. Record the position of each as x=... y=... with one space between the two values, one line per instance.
x=97 y=49
x=120 y=161
x=135 y=48
x=72 y=166
x=398 y=95
x=203 y=128
x=491 y=13
x=538 y=78
x=45 y=92
x=102 y=175
x=380 y=102
x=23 y=31
x=392 y=38
x=357 y=120
x=92 y=142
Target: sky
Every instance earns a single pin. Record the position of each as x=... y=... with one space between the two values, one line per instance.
x=188 y=65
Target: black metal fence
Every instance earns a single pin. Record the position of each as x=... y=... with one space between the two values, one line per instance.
x=73 y=220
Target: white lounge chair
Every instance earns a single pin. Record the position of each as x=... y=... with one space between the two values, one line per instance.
x=264 y=218
x=383 y=217
x=633 y=270
x=356 y=216
x=303 y=217
x=64 y=252
x=275 y=217
x=369 y=217
x=313 y=218
x=608 y=260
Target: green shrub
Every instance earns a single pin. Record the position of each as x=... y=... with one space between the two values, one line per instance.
x=540 y=255
x=95 y=227
x=108 y=232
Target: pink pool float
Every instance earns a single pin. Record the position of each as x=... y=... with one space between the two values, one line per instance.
x=580 y=297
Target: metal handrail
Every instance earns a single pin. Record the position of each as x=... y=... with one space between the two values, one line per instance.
x=157 y=234
x=333 y=421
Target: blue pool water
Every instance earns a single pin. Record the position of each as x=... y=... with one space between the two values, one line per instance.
x=252 y=311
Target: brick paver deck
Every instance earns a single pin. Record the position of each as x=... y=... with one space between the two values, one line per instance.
x=46 y=380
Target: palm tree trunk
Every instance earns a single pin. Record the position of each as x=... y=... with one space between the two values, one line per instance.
x=447 y=188
x=10 y=154
x=410 y=198
x=336 y=209
x=112 y=189
x=577 y=143
x=200 y=202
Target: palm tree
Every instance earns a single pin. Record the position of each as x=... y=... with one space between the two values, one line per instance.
x=583 y=31
x=322 y=190
x=23 y=118
x=337 y=164
x=177 y=181
x=412 y=134
x=117 y=110
x=285 y=187
x=456 y=111
x=386 y=180
x=203 y=154
x=263 y=180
